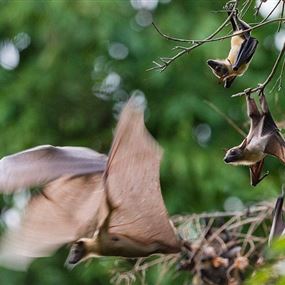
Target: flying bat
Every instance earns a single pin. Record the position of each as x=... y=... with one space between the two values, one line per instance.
x=263 y=139
x=103 y=206
x=278 y=225
x=243 y=47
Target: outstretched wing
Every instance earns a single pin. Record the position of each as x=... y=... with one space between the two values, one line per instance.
x=246 y=52
x=42 y=164
x=67 y=212
x=275 y=142
x=133 y=184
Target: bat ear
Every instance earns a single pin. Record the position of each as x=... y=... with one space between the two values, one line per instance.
x=212 y=63
x=243 y=144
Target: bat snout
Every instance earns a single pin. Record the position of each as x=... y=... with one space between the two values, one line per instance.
x=226 y=159
x=211 y=63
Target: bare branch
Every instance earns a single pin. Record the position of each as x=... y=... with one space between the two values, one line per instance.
x=281 y=16
x=196 y=43
x=227 y=118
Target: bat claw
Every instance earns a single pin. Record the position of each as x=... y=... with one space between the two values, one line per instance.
x=248 y=91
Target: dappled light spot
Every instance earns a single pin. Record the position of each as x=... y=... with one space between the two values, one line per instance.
x=143 y=18
x=279 y=39
x=11 y=218
x=118 y=51
x=233 y=204
x=203 y=134
x=144 y=4
x=267 y=7
x=22 y=41
x=9 y=55
x=108 y=86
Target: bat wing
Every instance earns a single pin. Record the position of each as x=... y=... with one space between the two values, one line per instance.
x=69 y=213
x=278 y=224
x=255 y=173
x=256 y=119
x=276 y=146
x=275 y=143
x=40 y=165
x=133 y=184
x=246 y=52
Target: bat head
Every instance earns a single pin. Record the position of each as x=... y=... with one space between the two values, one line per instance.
x=220 y=68
x=234 y=155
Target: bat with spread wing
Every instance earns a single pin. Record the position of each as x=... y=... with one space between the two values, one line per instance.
x=243 y=47
x=278 y=224
x=104 y=206
x=263 y=139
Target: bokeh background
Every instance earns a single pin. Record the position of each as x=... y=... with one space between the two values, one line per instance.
x=67 y=66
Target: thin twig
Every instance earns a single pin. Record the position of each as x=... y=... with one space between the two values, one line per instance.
x=271 y=12
x=281 y=16
x=196 y=43
x=258 y=8
x=227 y=118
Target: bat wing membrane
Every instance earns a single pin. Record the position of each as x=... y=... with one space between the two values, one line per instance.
x=246 y=52
x=42 y=164
x=133 y=184
x=69 y=213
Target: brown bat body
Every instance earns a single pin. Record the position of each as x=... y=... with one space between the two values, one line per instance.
x=242 y=49
x=278 y=224
x=104 y=206
x=263 y=138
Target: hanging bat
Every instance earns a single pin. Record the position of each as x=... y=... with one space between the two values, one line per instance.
x=263 y=139
x=243 y=47
x=104 y=206
x=278 y=225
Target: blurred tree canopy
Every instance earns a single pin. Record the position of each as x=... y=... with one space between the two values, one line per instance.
x=66 y=68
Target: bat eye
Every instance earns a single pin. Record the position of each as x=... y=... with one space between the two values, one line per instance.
x=233 y=152
x=114 y=238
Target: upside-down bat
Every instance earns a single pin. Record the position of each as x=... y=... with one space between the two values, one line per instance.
x=242 y=49
x=104 y=206
x=263 y=138
x=278 y=225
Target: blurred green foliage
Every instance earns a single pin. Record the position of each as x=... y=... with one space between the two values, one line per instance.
x=51 y=98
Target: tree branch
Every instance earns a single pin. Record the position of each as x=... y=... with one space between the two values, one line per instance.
x=196 y=43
